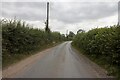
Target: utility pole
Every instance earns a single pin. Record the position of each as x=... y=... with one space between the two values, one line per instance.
x=67 y=34
x=47 y=21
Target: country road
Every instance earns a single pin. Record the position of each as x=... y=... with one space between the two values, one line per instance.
x=61 y=61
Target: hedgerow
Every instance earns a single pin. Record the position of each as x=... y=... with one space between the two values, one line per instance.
x=102 y=44
x=20 y=38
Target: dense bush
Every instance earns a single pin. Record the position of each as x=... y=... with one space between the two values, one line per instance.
x=101 y=43
x=19 y=38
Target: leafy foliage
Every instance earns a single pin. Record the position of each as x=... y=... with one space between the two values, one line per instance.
x=70 y=36
x=19 y=38
x=101 y=43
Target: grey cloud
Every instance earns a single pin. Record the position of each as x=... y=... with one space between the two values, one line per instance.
x=24 y=10
x=119 y=12
x=77 y=12
x=67 y=12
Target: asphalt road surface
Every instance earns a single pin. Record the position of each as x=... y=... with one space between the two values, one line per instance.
x=62 y=61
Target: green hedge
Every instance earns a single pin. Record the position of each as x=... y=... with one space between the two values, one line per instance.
x=101 y=43
x=20 y=38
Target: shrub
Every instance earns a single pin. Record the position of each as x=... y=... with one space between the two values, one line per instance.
x=102 y=43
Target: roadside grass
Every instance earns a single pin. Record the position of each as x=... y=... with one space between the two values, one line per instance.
x=111 y=70
x=15 y=58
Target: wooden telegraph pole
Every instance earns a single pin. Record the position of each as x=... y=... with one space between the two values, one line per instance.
x=47 y=21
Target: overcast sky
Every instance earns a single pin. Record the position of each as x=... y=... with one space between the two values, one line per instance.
x=64 y=16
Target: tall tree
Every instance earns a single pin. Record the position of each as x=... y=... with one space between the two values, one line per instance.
x=80 y=30
x=71 y=35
